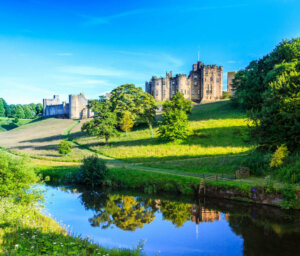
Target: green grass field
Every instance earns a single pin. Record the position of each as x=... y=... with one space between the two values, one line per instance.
x=217 y=144
x=7 y=124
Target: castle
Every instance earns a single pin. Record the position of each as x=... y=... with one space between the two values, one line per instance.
x=77 y=108
x=230 y=77
x=204 y=84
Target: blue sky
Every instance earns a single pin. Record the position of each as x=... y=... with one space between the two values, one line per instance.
x=66 y=47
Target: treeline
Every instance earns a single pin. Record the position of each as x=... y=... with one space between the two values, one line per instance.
x=29 y=111
x=269 y=90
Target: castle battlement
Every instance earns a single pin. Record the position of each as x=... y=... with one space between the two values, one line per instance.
x=203 y=84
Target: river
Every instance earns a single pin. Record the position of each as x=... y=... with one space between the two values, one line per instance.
x=174 y=226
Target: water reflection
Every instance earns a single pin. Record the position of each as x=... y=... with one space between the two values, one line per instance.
x=220 y=227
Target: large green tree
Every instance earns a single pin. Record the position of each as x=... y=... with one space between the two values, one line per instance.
x=174 y=124
x=252 y=82
x=278 y=121
x=104 y=122
x=19 y=112
x=148 y=110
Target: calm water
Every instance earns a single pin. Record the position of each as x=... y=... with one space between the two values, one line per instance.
x=175 y=226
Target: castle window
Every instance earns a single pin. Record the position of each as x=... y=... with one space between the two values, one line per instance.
x=206 y=72
x=207 y=86
x=164 y=82
x=195 y=83
x=173 y=92
x=193 y=92
x=198 y=91
x=218 y=79
x=188 y=83
x=157 y=83
x=181 y=91
x=211 y=79
x=195 y=76
x=173 y=82
x=219 y=73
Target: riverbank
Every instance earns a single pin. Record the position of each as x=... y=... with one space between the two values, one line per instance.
x=153 y=182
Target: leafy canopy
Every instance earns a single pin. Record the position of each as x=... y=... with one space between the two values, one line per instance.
x=104 y=122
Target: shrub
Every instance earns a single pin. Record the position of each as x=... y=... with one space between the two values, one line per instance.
x=16 y=179
x=279 y=155
x=289 y=197
x=226 y=95
x=258 y=162
x=93 y=171
x=290 y=171
x=64 y=147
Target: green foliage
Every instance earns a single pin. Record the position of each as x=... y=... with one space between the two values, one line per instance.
x=93 y=171
x=39 y=109
x=64 y=147
x=17 y=179
x=290 y=171
x=126 y=122
x=104 y=121
x=28 y=112
x=279 y=155
x=19 y=112
x=2 y=107
x=252 y=82
x=226 y=95
x=175 y=124
x=258 y=162
x=178 y=102
x=127 y=97
x=16 y=120
x=140 y=104
x=289 y=197
x=278 y=121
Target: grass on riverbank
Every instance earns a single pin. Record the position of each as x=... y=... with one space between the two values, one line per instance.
x=25 y=231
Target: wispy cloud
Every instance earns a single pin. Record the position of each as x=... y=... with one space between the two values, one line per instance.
x=64 y=54
x=231 y=61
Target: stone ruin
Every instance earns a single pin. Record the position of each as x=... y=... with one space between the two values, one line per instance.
x=77 y=108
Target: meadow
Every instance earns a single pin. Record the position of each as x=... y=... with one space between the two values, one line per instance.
x=7 y=124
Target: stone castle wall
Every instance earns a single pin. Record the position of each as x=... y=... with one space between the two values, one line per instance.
x=204 y=84
x=230 y=77
x=77 y=108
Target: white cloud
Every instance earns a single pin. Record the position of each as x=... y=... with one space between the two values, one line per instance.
x=231 y=61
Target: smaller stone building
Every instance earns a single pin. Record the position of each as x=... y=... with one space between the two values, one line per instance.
x=77 y=108
x=230 y=77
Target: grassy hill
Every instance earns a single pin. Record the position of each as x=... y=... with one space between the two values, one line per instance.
x=218 y=142
x=7 y=124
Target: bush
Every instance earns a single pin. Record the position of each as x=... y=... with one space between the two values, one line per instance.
x=64 y=147
x=226 y=95
x=289 y=197
x=93 y=171
x=16 y=179
x=279 y=155
x=258 y=162
x=290 y=171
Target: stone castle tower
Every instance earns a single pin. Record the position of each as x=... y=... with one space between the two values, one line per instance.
x=203 y=84
x=77 y=108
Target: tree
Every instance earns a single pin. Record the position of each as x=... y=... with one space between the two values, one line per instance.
x=19 y=112
x=28 y=113
x=104 y=121
x=251 y=83
x=178 y=102
x=39 y=109
x=2 y=108
x=148 y=110
x=278 y=121
x=127 y=122
x=126 y=97
x=175 y=120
